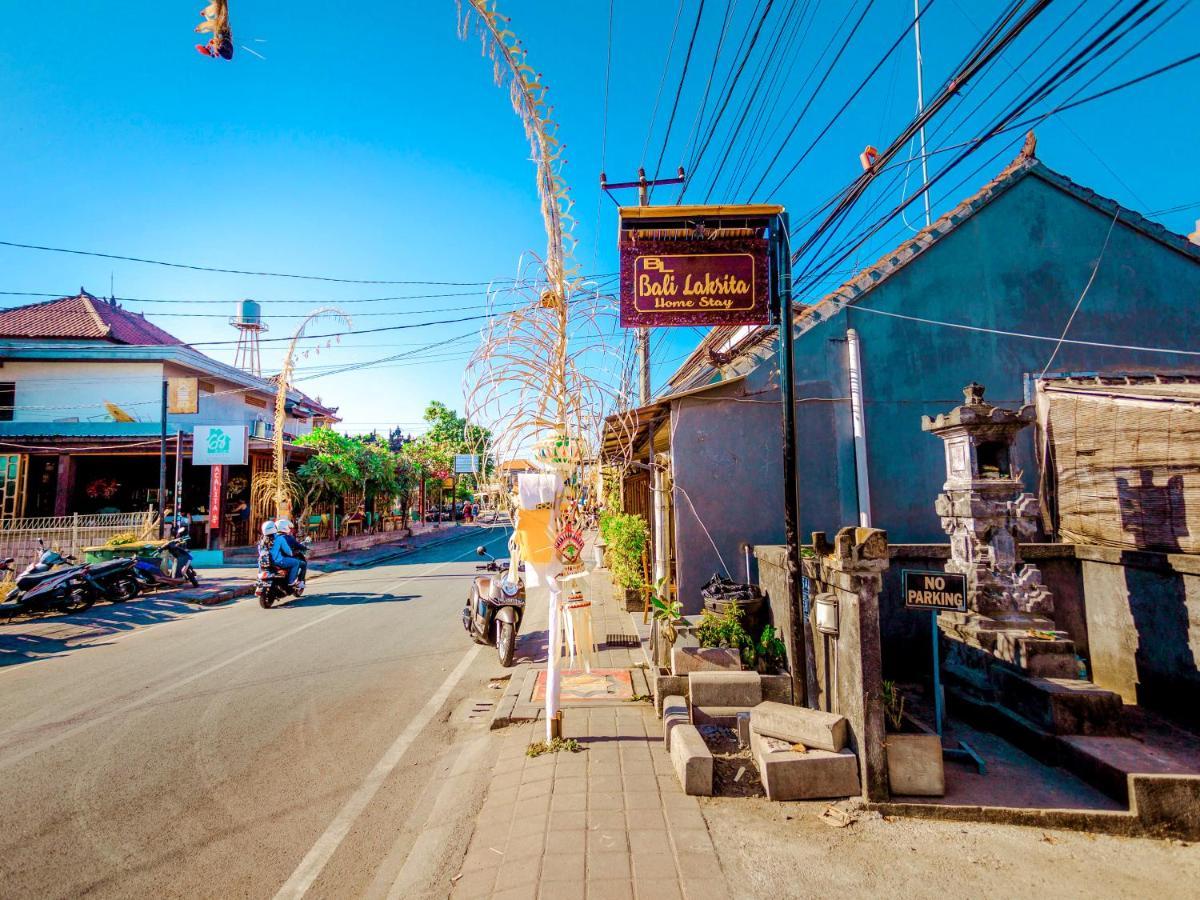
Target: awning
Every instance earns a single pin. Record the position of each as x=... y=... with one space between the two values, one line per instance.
x=628 y=431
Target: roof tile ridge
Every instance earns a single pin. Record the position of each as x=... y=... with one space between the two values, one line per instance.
x=105 y=328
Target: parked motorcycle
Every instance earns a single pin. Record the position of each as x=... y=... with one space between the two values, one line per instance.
x=50 y=583
x=273 y=584
x=180 y=571
x=495 y=607
x=117 y=579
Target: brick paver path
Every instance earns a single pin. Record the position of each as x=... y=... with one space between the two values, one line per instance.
x=608 y=822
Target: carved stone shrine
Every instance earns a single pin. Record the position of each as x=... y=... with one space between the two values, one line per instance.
x=986 y=512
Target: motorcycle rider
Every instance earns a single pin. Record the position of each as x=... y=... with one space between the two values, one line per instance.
x=284 y=551
x=264 y=546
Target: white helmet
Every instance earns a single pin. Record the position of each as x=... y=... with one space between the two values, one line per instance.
x=268 y=528
x=284 y=525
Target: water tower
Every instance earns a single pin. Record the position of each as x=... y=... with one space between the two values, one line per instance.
x=250 y=325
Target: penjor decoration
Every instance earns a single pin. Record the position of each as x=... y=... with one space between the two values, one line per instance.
x=524 y=383
x=216 y=22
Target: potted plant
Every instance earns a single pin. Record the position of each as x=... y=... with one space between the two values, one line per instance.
x=772 y=652
x=726 y=631
x=668 y=614
x=914 y=753
x=625 y=536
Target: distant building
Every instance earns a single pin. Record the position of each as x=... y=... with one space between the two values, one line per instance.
x=81 y=386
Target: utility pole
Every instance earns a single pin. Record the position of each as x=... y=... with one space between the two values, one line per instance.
x=162 y=463
x=643 y=186
x=921 y=109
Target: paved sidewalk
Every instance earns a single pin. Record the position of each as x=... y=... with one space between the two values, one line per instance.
x=608 y=822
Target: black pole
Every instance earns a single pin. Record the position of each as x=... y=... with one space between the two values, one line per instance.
x=791 y=492
x=162 y=464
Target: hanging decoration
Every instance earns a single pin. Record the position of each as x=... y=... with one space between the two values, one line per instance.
x=216 y=22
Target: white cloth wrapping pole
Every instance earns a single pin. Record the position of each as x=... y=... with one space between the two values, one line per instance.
x=553 y=654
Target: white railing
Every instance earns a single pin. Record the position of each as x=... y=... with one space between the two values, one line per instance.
x=67 y=534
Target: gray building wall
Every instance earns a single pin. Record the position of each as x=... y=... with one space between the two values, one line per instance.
x=727 y=461
x=1018 y=264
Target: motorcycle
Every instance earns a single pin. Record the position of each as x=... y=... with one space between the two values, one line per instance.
x=153 y=575
x=117 y=579
x=495 y=607
x=273 y=581
x=43 y=586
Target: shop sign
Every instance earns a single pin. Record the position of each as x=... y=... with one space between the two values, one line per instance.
x=936 y=591
x=466 y=464
x=215 y=495
x=220 y=445
x=703 y=282
x=183 y=396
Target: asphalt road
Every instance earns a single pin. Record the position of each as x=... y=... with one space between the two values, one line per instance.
x=320 y=748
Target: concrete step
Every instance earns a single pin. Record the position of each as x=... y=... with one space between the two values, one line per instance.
x=740 y=689
x=1107 y=762
x=1060 y=705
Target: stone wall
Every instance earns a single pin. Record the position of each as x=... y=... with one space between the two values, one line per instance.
x=1143 y=617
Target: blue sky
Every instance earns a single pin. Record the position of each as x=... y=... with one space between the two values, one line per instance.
x=370 y=143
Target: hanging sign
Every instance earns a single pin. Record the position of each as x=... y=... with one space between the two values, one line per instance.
x=935 y=591
x=466 y=464
x=694 y=282
x=215 y=497
x=220 y=445
x=183 y=396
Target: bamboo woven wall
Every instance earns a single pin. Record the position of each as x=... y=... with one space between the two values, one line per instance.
x=1124 y=465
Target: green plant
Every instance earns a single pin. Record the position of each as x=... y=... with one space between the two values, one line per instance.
x=120 y=540
x=557 y=745
x=893 y=705
x=666 y=611
x=726 y=630
x=625 y=535
x=771 y=649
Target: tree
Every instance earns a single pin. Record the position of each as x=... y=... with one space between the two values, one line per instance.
x=344 y=465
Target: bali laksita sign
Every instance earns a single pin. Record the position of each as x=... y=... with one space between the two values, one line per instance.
x=722 y=281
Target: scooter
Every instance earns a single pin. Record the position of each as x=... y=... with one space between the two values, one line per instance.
x=117 y=579
x=495 y=607
x=42 y=587
x=180 y=572
x=273 y=584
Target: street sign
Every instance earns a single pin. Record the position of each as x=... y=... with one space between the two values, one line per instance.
x=719 y=281
x=220 y=445
x=216 y=494
x=466 y=464
x=936 y=591
x=183 y=396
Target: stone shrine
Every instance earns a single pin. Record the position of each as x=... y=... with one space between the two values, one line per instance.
x=986 y=512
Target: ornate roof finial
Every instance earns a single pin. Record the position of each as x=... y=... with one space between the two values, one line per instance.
x=1029 y=151
x=974 y=393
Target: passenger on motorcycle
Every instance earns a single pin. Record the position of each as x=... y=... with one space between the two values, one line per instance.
x=284 y=553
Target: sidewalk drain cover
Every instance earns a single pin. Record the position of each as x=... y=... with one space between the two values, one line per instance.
x=622 y=640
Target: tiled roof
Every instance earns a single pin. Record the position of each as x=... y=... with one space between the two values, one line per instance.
x=82 y=317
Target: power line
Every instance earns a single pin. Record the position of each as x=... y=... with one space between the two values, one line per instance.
x=662 y=81
x=678 y=92
x=199 y=268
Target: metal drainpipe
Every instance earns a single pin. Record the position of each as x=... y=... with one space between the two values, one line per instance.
x=861 y=478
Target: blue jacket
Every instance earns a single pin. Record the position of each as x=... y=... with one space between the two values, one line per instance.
x=280 y=548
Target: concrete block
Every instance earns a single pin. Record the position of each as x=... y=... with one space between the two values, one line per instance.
x=914 y=764
x=738 y=689
x=799 y=725
x=743 y=729
x=667 y=686
x=693 y=761
x=675 y=713
x=685 y=660
x=813 y=775
x=723 y=716
x=777 y=688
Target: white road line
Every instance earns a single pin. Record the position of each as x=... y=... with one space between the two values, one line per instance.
x=327 y=844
